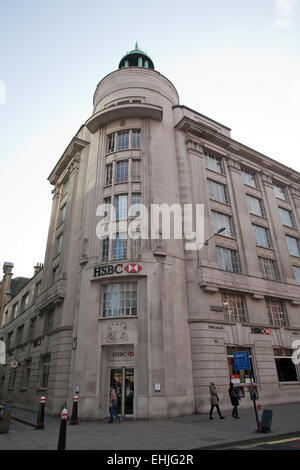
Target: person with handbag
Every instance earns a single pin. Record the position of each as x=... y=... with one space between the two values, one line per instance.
x=214 y=400
x=113 y=403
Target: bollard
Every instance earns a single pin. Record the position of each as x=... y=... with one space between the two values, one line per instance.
x=259 y=416
x=62 y=430
x=41 y=414
x=74 y=416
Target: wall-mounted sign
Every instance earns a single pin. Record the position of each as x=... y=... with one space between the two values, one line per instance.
x=216 y=308
x=215 y=327
x=235 y=379
x=261 y=331
x=241 y=360
x=109 y=269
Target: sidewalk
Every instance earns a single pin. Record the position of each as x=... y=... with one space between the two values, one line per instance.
x=181 y=433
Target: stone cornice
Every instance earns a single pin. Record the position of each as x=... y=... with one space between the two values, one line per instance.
x=204 y=132
x=119 y=112
x=73 y=150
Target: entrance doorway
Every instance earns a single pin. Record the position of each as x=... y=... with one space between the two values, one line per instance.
x=122 y=379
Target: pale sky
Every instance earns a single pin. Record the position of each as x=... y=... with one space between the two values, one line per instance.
x=237 y=62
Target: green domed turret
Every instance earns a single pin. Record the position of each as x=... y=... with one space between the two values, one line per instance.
x=136 y=58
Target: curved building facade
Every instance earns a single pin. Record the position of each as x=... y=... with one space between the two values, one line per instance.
x=146 y=315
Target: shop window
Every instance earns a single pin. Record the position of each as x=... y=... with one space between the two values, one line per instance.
x=286 y=369
x=239 y=376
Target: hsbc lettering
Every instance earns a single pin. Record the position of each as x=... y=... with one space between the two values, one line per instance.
x=110 y=269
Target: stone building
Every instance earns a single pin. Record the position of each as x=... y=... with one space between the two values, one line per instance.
x=158 y=321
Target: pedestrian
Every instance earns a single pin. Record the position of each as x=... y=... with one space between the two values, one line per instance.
x=235 y=399
x=113 y=402
x=214 y=400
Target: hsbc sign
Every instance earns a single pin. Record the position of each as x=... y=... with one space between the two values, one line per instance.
x=110 y=269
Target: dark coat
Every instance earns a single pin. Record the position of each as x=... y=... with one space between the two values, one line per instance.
x=234 y=396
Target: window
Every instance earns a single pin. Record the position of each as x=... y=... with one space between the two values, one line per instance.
x=120 y=299
x=234 y=307
x=136 y=139
x=293 y=246
x=59 y=241
x=122 y=172
x=120 y=246
x=19 y=337
x=213 y=163
x=55 y=272
x=14 y=310
x=261 y=236
x=66 y=187
x=49 y=322
x=136 y=200
x=136 y=170
x=45 y=368
x=244 y=375
x=279 y=191
x=32 y=328
x=9 y=340
x=218 y=191
x=286 y=369
x=136 y=248
x=25 y=301
x=276 y=312
x=255 y=206
x=268 y=268
x=110 y=143
x=222 y=220
x=296 y=270
x=105 y=249
x=12 y=378
x=62 y=214
x=228 y=259
x=286 y=217
x=108 y=174
x=123 y=140
x=26 y=373
x=37 y=289
x=249 y=178
x=121 y=206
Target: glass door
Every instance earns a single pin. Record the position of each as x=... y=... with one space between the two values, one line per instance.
x=122 y=379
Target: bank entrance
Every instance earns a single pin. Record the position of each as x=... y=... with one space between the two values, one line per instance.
x=122 y=379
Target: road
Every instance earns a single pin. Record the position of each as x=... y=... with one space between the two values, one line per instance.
x=274 y=444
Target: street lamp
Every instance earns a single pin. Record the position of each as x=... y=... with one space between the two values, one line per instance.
x=217 y=233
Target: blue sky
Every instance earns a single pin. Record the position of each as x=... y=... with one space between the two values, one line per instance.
x=236 y=62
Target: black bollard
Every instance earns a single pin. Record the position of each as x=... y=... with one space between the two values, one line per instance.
x=74 y=416
x=62 y=430
x=41 y=414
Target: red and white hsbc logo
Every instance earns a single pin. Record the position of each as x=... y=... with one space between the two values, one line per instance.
x=109 y=269
x=133 y=268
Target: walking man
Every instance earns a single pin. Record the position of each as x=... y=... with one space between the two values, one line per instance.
x=214 y=400
x=113 y=402
x=235 y=399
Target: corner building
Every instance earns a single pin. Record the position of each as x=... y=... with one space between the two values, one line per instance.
x=154 y=320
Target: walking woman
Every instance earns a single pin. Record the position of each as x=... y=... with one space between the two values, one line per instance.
x=214 y=400
x=235 y=399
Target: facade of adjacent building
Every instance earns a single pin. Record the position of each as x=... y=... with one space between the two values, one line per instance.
x=154 y=320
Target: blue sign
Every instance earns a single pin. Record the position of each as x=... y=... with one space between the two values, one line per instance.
x=241 y=360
